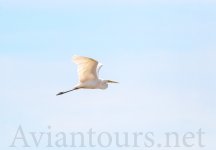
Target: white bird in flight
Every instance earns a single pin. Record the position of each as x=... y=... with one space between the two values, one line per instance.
x=88 y=73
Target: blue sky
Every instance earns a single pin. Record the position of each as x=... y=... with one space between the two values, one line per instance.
x=162 y=53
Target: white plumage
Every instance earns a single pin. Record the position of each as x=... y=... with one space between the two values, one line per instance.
x=88 y=72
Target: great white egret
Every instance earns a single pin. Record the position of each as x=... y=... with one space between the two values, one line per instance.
x=88 y=73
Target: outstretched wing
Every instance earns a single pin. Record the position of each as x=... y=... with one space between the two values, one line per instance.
x=87 y=68
x=99 y=66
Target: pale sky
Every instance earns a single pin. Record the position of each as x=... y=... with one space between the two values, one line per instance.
x=162 y=53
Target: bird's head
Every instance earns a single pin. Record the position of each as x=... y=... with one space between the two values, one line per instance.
x=104 y=83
